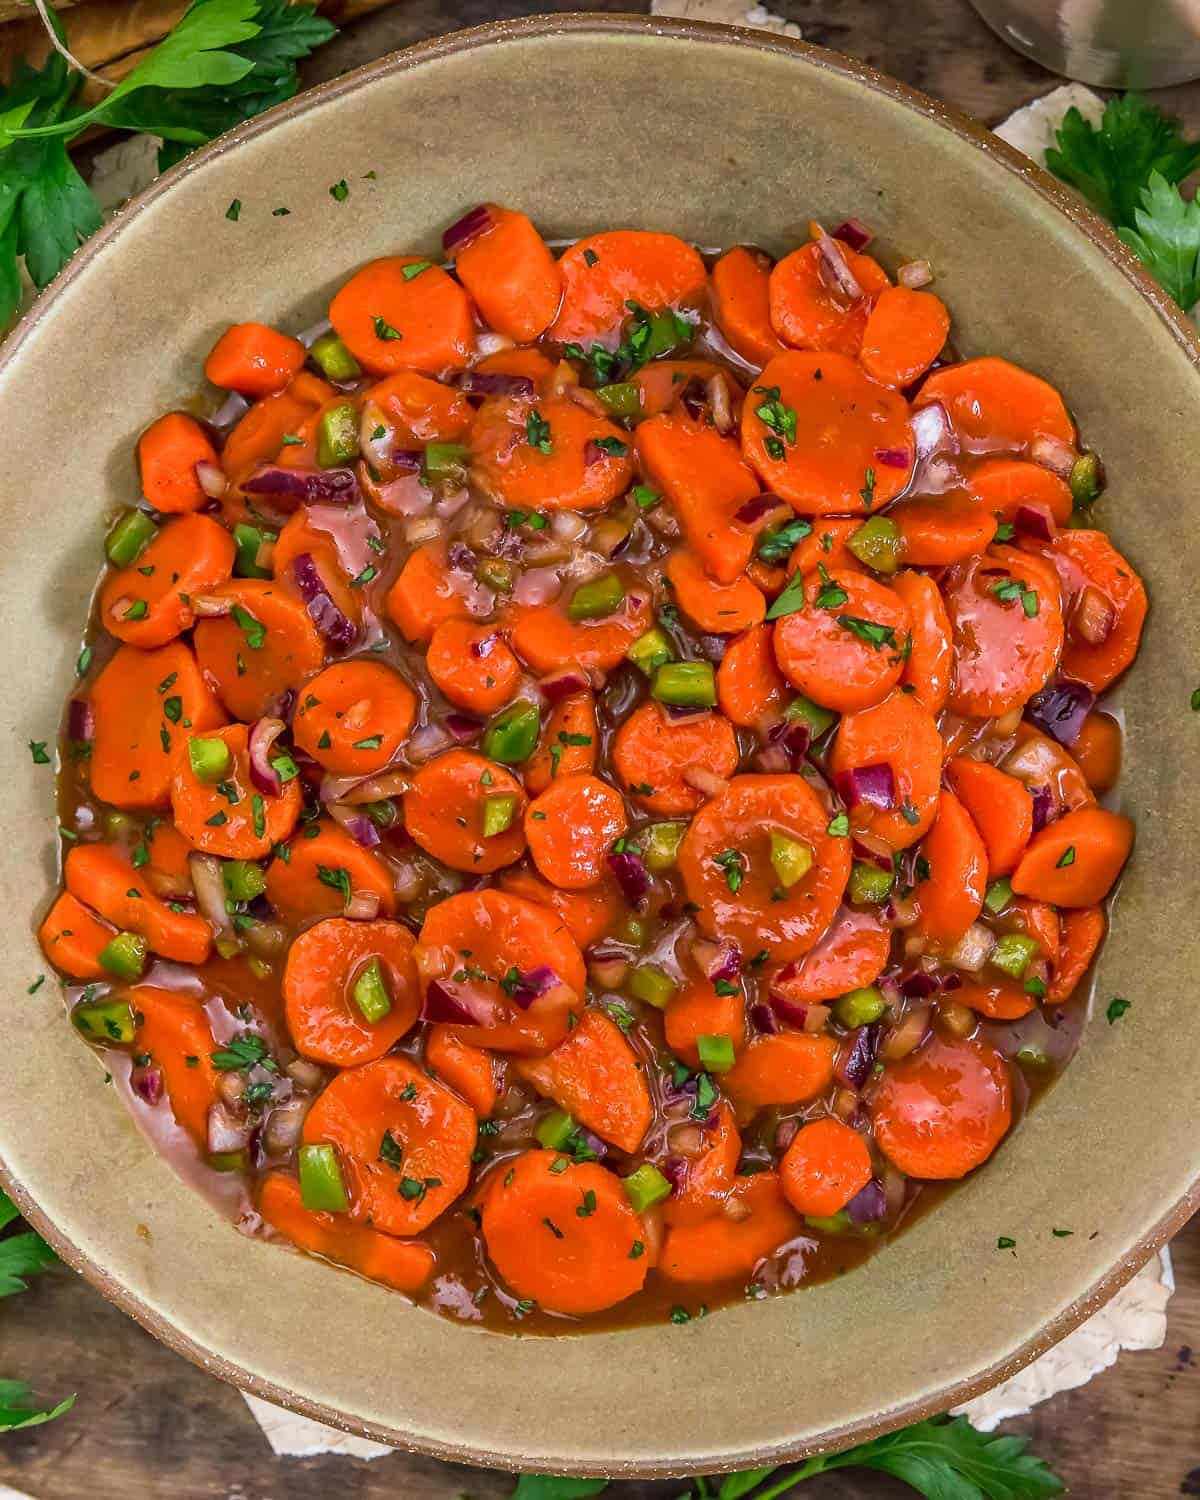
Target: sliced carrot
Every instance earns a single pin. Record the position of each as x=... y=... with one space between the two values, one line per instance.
x=1075 y=860
x=940 y=1112
x=663 y=382
x=138 y=700
x=1082 y=934
x=422 y=410
x=427 y=592
x=950 y=896
x=706 y=483
x=404 y=1265
x=470 y=1071
x=393 y=1125
x=595 y=1075
x=935 y=532
x=392 y=321
x=997 y=406
x=653 y=754
x=808 y=313
x=720 y=608
x=1106 y=572
x=999 y=999
x=1041 y=922
x=173 y=1031
x=825 y=544
x=472 y=665
x=548 y=454
x=587 y=914
x=709 y=1174
x=472 y=942
x=267 y=646
x=353 y=717
x=511 y=275
x=789 y=1068
x=741 y=304
x=844 y=646
x=823 y=1168
x=104 y=879
x=1003 y=485
x=1000 y=808
x=731 y=1244
x=1098 y=751
x=572 y=826
x=1039 y=762
x=1007 y=627
x=850 y=956
x=567 y=744
x=905 y=333
x=531 y=363
x=300 y=539
x=563 y=1237
x=323 y=966
x=446 y=807
x=698 y=1010
x=230 y=818
x=72 y=938
x=150 y=602
x=259 y=436
x=316 y=874
x=929 y=669
x=168 y=452
x=750 y=687
x=604 y=273
x=901 y=734
x=254 y=360
x=544 y=637
x=833 y=422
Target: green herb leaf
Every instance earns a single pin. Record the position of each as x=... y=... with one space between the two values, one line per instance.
x=1167 y=240
x=1116 y=1009
x=17 y=1410
x=790 y=600
x=775 y=545
x=550 y=1487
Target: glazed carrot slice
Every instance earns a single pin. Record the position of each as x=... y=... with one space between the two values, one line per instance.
x=1000 y=807
x=324 y=964
x=595 y=1075
x=741 y=304
x=404 y=1265
x=174 y=1033
x=1097 y=750
x=544 y=637
x=653 y=754
x=567 y=743
x=707 y=1175
x=571 y=827
x=392 y=321
x=472 y=665
x=421 y=410
x=725 y=861
x=587 y=914
x=999 y=999
x=1082 y=934
x=844 y=646
x=941 y=1111
x=937 y=532
x=1007 y=627
x=825 y=543
x=404 y=1142
x=905 y=333
x=818 y=428
x=1042 y=923
x=1003 y=485
x=264 y=648
x=472 y=942
x=929 y=669
x=72 y=938
x=950 y=896
x=1099 y=662
x=750 y=687
x=789 y=1068
x=997 y=406
x=511 y=275
x=300 y=539
x=730 y=1245
x=663 y=382
x=706 y=483
x=137 y=699
x=531 y=363
x=699 y=1011
x=427 y=592
x=808 y=312
x=254 y=360
x=103 y=879
x=470 y=1071
x=150 y=602
x=258 y=437
x=850 y=956
x=168 y=452
x=229 y=818
x=565 y=1238
x=316 y=875
x=901 y=734
x=1041 y=762
x=604 y=273
x=167 y=868
x=548 y=454
x=1075 y=860
x=823 y=1168
x=720 y=608
x=353 y=717
x=447 y=808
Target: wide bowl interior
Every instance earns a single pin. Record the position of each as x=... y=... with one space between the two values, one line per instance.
x=722 y=137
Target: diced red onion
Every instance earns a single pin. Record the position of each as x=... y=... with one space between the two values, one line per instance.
x=472 y=224
x=263 y=774
x=211 y=479
x=331 y=623
x=762 y=1018
x=785 y=1133
x=427 y=741
x=794 y=1012
x=209 y=887
x=631 y=875
x=594 y=1144
x=302 y=484
x=363 y=906
x=146 y=1081
x=460 y=1007
x=773 y=760
x=463 y=728
x=357 y=825
x=211 y=606
x=561 y=684
x=593 y=453
x=915 y=274
x=932 y=431
x=874 y=785
x=906 y=1035
x=1094 y=617
x=1035 y=521
x=868 y=854
x=704 y=781
x=81 y=720
x=1043 y=807
x=406 y=460
x=537 y=586
x=680 y=713
x=493 y=383
x=531 y=985
x=761 y=506
x=918 y=985
x=869 y=1204
x=226 y=1132
x=608 y=971
x=715 y=961
x=675 y=1169
x=855 y=1062
x=837 y=268
x=853 y=232
x=1053 y=454
x=1060 y=710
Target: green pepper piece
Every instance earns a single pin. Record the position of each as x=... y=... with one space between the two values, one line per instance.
x=817 y=718
x=860 y=1007
x=124 y=956
x=496 y=574
x=869 y=885
x=716 y=1053
x=652 y=985
x=660 y=844
x=333 y=359
x=1087 y=479
x=322 y=1188
x=998 y=895
x=687 y=684
x=243 y=879
x=791 y=859
x=371 y=993
x=248 y=539
x=209 y=759
x=446 y=465
x=129 y=536
x=654 y=334
x=118 y=825
x=512 y=736
x=498 y=813
x=645 y=1187
x=1013 y=954
x=838 y=1223
x=109 y=1020
x=597 y=598
x=1033 y=1057
x=621 y=400
x=229 y=1161
x=651 y=650
x=554 y=1130
x=876 y=544
x=337 y=435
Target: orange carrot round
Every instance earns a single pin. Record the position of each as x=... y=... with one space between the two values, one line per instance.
x=997 y=406
x=426 y=592
x=511 y=275
x=603 y=273
x=587 y=914
x=708 y=1175
x=937 y=532
x=470 y=1071
x=446 y=809
x=390 y=321
x=941 y=1111
x=1082 y=934
x=905 y=333
x=750 y=686
x=741 y=304
x=168 y=452
x=929 y=669
x=850 y=956
x=1007 y=628
x=596 y=1076
x=823 y=1168
x=568 y=743
x=102 y=877
x=698 y=1010
x=1097 y=750
x=901 y=734
x=1075 y=860
x=229 y=818
x=1003 y=485
x=421 y=410
x=548 y=454
x=254 y=360
x=353 y=717
x=323 y=966
x=174 y=1033
x=150 y=602
x=999 y=806
x=653 y=754
x=789 y=1068
x=1121 y=597
x=544 y=637
x=721 y=608
x=844 y=646
x=730 y=1245
x=950 y=896
x=571 y=827
x=808 y=313
x=317 y=875
x=265 y=647
x=472 y=665
x=72 y=938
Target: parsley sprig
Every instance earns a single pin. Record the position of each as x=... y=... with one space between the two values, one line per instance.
x=22 y=1254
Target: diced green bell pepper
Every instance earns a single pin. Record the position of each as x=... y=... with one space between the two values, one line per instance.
x=597 y=598
x=229 y=1161
x=876 y=544
x=660 y=843
x=869 y=885
x=209 y=759
x=495 y=574
x=791 y=859
x=838 y=1223
x=634 y=930
x=1013 y=954
x=322 y=1187
x=621 y=400
x=554 y=1130
x=687 y=684
x=650 y=651
x=371 y=993
x=124 y=957
x=109 y=1020
x=498 y=813
x=817 y=718
x=129 y=536
x=1087 y=479
x=337 y=435
x=333 y=359
x=645 y=1187
x=860 y=1007
x=512 y=736
x=652 y=985
x=446 y=465
x=243 y=879
x=248 y=539
x=715 y=1052
x=998 y=895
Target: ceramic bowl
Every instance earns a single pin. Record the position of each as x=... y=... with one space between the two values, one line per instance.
x=720 y=135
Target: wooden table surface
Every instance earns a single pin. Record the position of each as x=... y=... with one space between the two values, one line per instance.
x=149 y=1425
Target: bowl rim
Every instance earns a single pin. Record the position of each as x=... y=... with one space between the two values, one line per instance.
x=1052 y=192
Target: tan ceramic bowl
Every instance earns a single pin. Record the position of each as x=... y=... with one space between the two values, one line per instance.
x=721 y=136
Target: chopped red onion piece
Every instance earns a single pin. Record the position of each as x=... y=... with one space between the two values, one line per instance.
x=836 y=268
x=893 y=458
x=1035 y=521
x=593 y=453
x=853 y=232
x=675 y=1169
x=483 y=648
x=680 y=713
x=867 y=854
x=207 y=882
x=531 y=985
x=493 y=383
x=302 y=484
x=869 y=1204
x=460 y=557
x=952 y=981
x=719 y=403
x=263 y=774
x=407 y=460
x=918 y=985
x=363 y=906
x=874 y=784
x=331 y=623
x=1043 y=807
x=932 y=431
x=1060 y=710
x=715 y=961
x=762 y=1018
x=81 y=720
x=854 y=1064
x=631 y=875
x=1094 y=617
x=212 y=479
x=1053 y=454
x=704 y=781
x=449 y=1002
x=761 y=506
x=562 y=684
x=147 y=1083
x=773 y=761
x=463 y=727
x=318 y=330
x=471 y=225
x=357 y=825
x=210 y=606
x=915 y=274
x=794 y=1012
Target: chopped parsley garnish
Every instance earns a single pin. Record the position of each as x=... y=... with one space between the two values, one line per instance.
x=611 y=445
x=1116 y=1009
x=359 y=579
x=839 y=826
x=1005 y=1243
x=733 y=863
x=537 y=433
x=874 y=634
x=409 y=272
x=775 y=545
x=337 y=878
x=588 y=1207
x=1067 y=857
x=774 y=414
x=233 y=212
x=339 y=192
x=389 y=1150
x=790 y=600
x=242 y=1053
x=867 y=492
x=254 y=631
x=384 y=330
x=37 y=749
